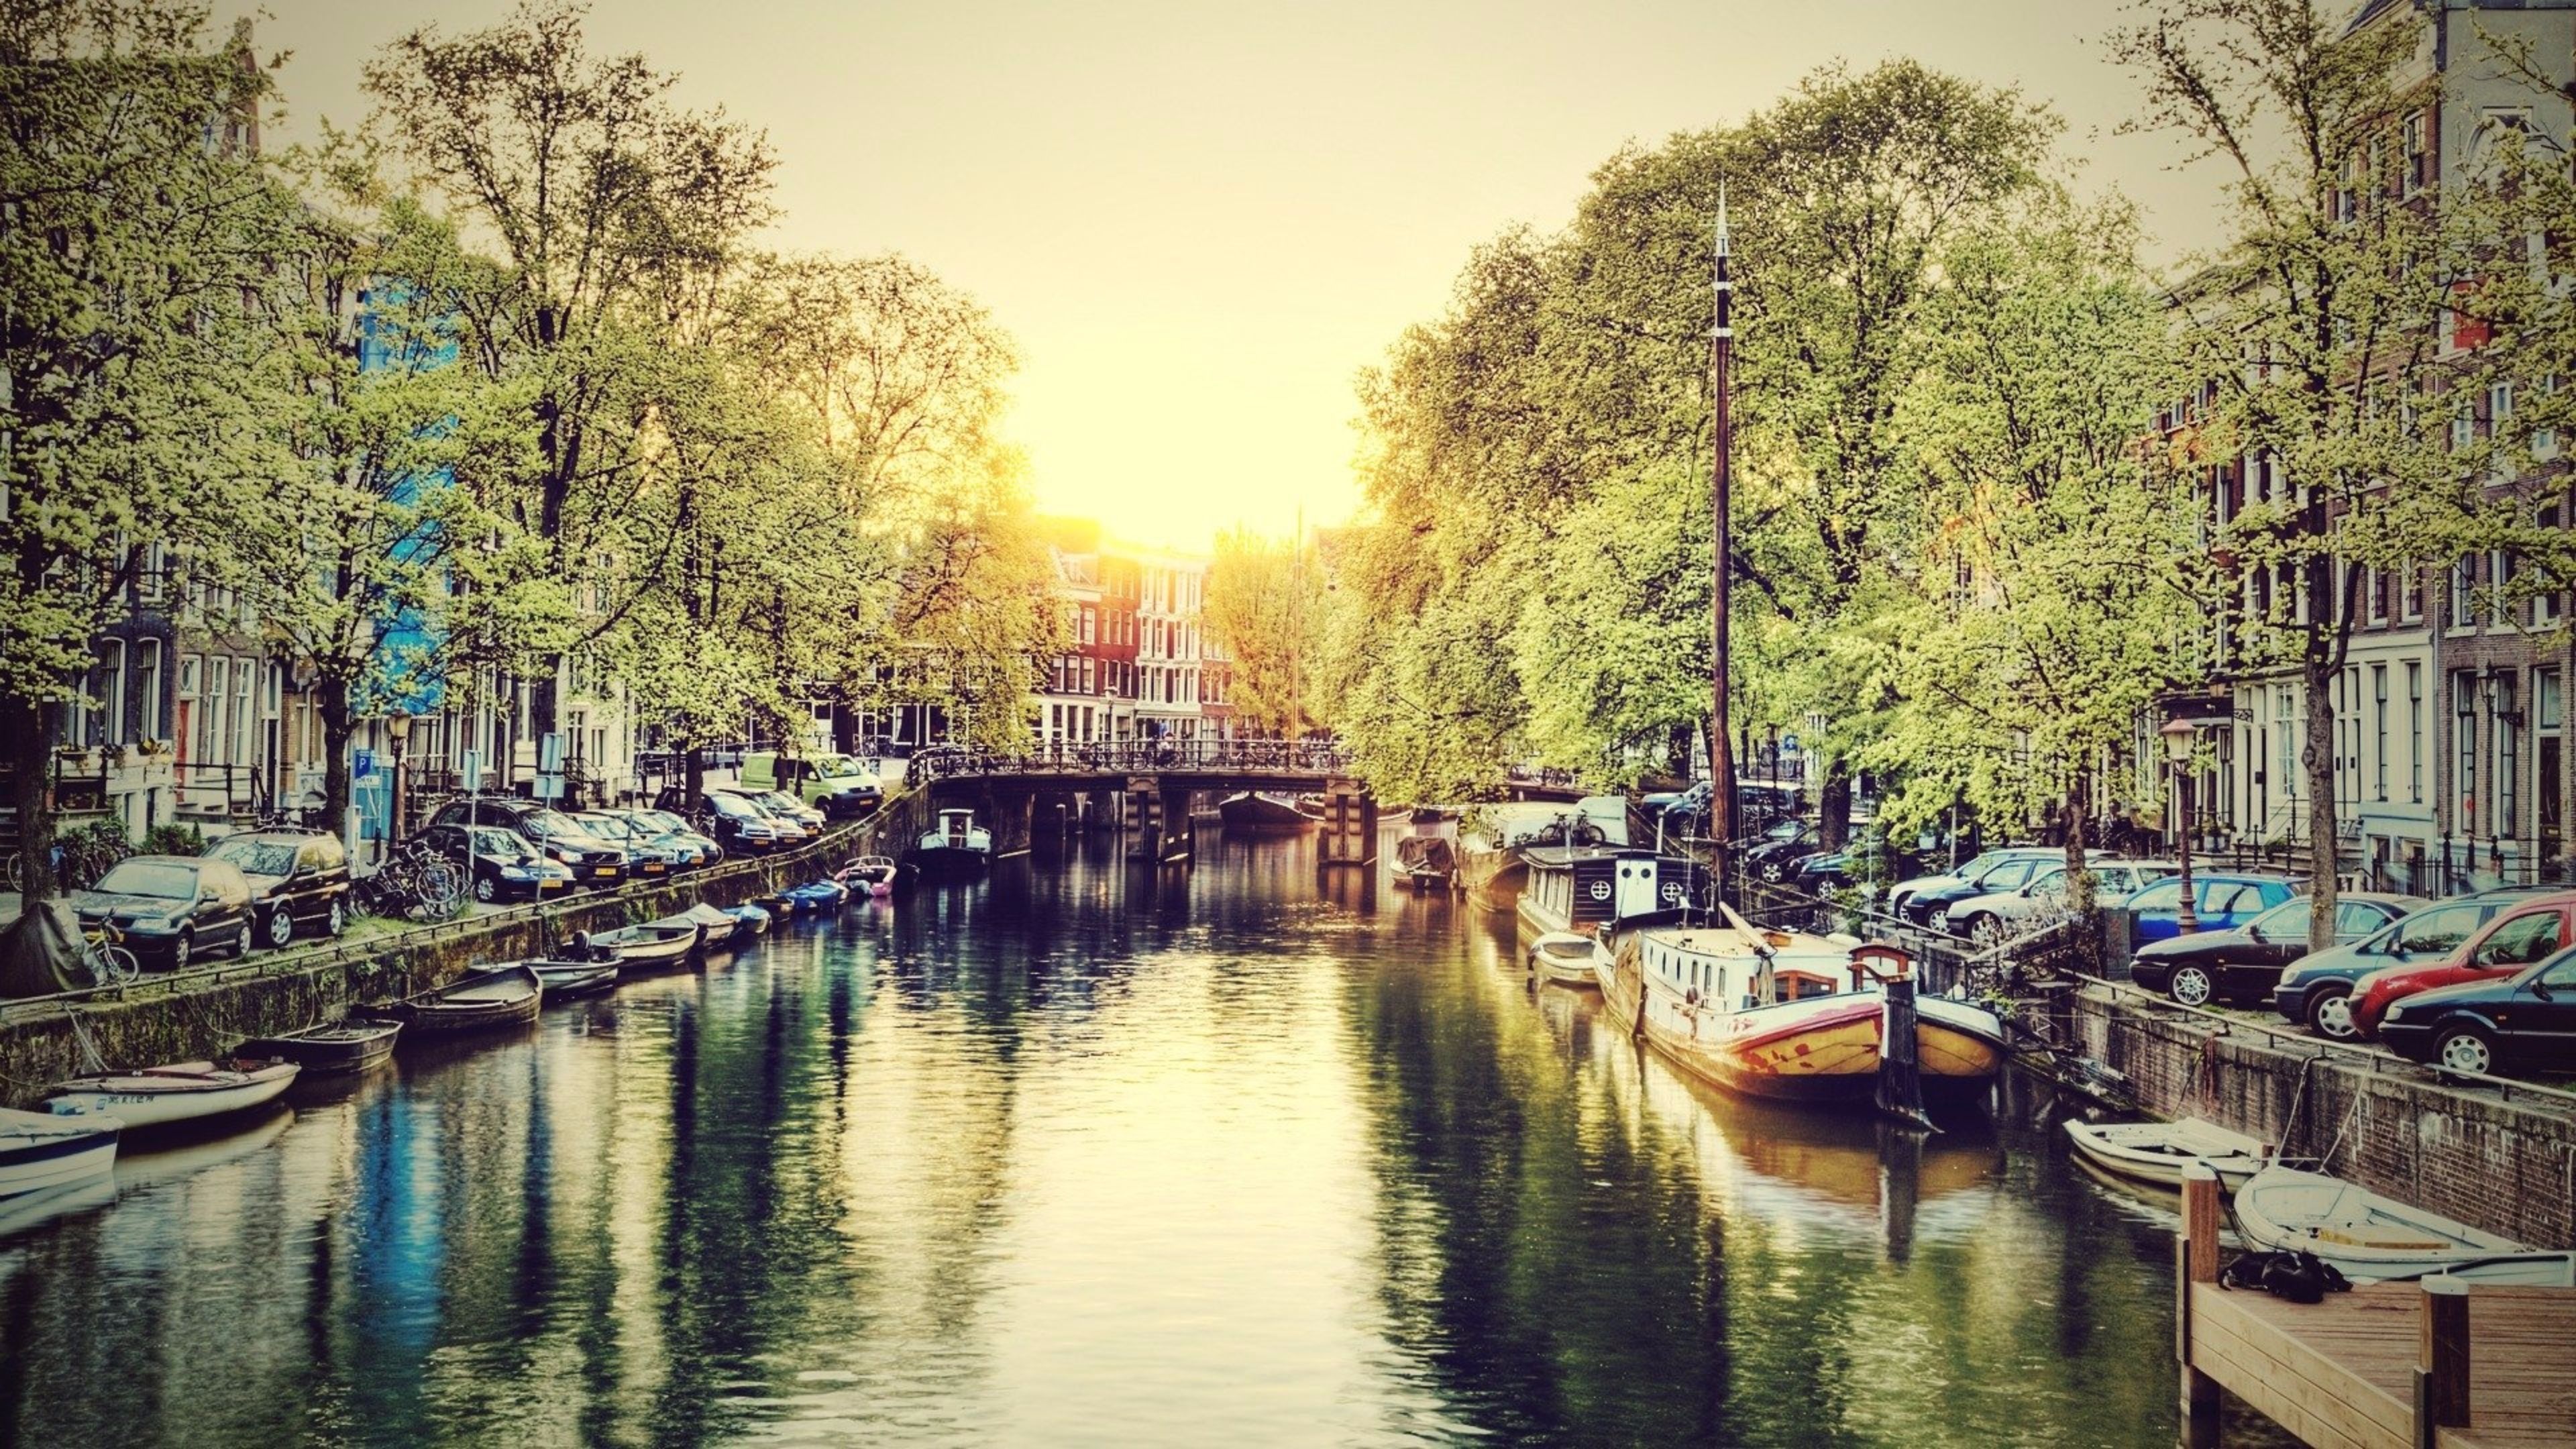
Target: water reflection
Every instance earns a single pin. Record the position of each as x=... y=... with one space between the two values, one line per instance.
x=1088 y=1153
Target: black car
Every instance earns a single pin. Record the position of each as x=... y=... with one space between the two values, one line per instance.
x=1781 y=848
x=736 y=824
x=2244 y=964
x=2525 y=1020
x=592 y=862
x=500 y=864
x=299 y=880
x=172 y=908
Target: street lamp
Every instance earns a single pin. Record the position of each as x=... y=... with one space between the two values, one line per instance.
x=398 y=733
x=2178 y=736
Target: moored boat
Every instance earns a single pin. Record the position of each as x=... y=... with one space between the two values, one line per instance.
x=502 y=996
x=1577 y=888
x=874 y=874
x=661 y=943
x=2369 y=1238
x=179 y=1092
x=1426 y=862
x=565 y=980
x=716 y=926
x=749 y=920
x=1779 y=1014
x=40 y=1150
x=2157 y=1152
x=1264 y=810
x=1565 y=958
x=333 y=1048
x=955 y=846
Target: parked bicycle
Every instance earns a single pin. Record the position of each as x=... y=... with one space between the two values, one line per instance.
x=105 y=957
x=415 y=883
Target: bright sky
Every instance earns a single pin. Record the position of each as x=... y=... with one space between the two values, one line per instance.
x=1202 y=218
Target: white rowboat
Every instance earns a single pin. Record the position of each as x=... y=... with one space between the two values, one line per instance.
x=1565 y=958
x=179 y=1092
x=2157 y=1152
x=2372 y=1239
x=39 y=1150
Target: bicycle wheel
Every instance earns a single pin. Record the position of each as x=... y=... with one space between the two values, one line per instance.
x=440 y=887
x=112 y=965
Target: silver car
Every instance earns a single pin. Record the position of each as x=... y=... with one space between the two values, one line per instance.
x=1999 y=916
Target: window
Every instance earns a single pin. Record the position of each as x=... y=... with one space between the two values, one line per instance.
x=2544 y=441
x=2499 y=584
x=2374 y=595
x=2353 y=919
x=2464 y=582
x=2545 y=604
x=2437 y=931
x=2415 y=732
x=2464 y=784
x=2418 y=172
x=2410 y=591
x=147 y=688
x=2379 y=730
x=210 y=711
x=2508 y=755
x=2521 y=940
x=245 y=723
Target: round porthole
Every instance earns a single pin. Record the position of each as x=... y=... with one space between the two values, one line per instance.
x=1601 y=890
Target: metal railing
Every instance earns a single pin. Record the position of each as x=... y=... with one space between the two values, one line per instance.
x=1138 y=757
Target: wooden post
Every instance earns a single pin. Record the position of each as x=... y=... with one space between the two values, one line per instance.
x=2195 y=1263
x=2442 y=1360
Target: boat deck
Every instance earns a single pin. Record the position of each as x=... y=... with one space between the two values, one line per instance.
x=2492 y=1358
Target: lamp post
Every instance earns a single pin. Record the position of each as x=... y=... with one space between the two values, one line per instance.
x=398 y=733
x=2178 y=736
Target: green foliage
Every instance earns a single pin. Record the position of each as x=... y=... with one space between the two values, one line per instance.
x=1265 y=609
x=168 y=839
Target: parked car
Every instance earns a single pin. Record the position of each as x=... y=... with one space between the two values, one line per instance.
x=2523 y=1020
x=1900 y=896
x=592 y=861
x=2533 y=928
x=1781 y=848
x=2316 y=989
x=646 y=858
x=735 y=822
x=172 y=908
x=670 y=824
x=298 y=879
x=2244 y=963
x=1869 y=858
x=785 y=809
x=838 y=785
x=2007 y=869
x=2221 y=901
x=1997 y=917
x=500 y=864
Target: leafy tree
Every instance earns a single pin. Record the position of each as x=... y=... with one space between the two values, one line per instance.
x=135 y=414
x=2313 y=332
x=1265 y=608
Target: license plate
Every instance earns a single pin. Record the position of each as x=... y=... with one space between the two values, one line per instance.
x=550 y=885
x=653 y=867
x=606 y=872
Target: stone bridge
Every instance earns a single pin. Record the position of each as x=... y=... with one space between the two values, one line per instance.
x=1146 y=787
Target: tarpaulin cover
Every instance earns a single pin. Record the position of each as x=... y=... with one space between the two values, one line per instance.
x=40 y=952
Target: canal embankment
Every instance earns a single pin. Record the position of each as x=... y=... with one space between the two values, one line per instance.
x=200 y=1013
x=2497 y=1155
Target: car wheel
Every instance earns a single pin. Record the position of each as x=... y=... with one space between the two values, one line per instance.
x=183 y=950
x=485 y=890
x=245 y=938
x=2190 y=985
x=2465 y=1049
x=339 y=920
x=1988 y=932
x=281 y=927
x=2330 y=1016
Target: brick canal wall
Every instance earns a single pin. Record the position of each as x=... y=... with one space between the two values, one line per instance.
x=204 y=1012
x=2500 y=1160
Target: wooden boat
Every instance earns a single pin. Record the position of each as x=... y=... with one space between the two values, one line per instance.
x=1565 y=958
x=503 y=996
x=874 y=874
x=1426 y=862
x=1263 y=810
x=1493 y=841
x=2371 y=1239
x=816 y=895
x=716 y=926
x=40 y=1150
x=1576 y=888
x=955 y=846
x=660 y=944
x=336 y=1048
x=179 y=1092
x=750 y=920
x=2157 y=1152
x=1778 y=1014
x=565 y=980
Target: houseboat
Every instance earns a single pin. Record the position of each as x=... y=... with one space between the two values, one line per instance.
x=1578 y=888
x=1781 y=1015
x=1491 y=841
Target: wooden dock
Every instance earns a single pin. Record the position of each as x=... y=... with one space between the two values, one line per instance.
x=2440 y=1363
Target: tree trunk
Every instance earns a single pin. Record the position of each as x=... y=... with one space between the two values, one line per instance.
x=2076 y=816
x=332 y=701
x=1833 y=805
x=2317 y=759
x=693 y=777
x=28 y=749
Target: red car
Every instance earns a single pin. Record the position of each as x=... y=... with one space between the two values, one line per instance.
x=2533 y=929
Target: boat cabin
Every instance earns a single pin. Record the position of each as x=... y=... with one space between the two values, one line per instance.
x=1572 y=888
x=1719 y=964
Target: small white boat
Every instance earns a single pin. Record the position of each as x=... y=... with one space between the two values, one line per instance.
x=2157 y=1152
x=956 y=846
x=179 y=1092
x=719 y=924
x=2370 y=1239
x=1565 y=958
x=39 y=1150
x=874 y=874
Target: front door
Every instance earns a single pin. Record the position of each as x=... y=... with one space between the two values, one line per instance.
x=1634 y=894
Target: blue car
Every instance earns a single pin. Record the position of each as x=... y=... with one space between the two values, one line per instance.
x=2220 y=901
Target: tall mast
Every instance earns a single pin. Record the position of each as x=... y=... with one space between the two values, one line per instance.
x=1721 y=761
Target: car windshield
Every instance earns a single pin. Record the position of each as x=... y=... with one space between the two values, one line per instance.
x=733 y=805
x=256 y=857
x=2286 y=920
x=552 y=823
x=606 y=827
x=500 y=843
x=662 y=820
x=151 y=878
x=783 y=801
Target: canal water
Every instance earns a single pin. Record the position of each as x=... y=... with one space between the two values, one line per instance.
x=1084 y=1155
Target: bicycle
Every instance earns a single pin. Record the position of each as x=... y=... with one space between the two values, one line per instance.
x=105 y=957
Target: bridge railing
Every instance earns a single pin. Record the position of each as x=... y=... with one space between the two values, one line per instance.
x=1137 y=757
